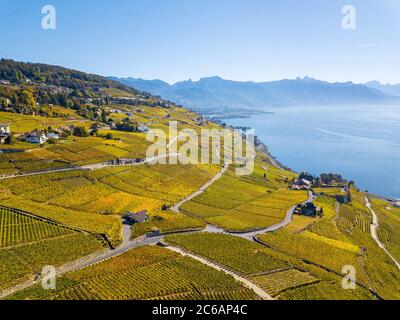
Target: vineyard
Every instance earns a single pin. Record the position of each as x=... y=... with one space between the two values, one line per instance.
x=92 y=200
x=241 y=204
x=277 y=282
x=96 y=223
x=331 y=192
x=312 y=247
x=17 y=228
x=19 y=263
x=324 y=291
x=389 y=226
x=225 y=250
x=328 y=206
x=144 y=273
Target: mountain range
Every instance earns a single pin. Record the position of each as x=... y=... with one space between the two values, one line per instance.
x=214 y=94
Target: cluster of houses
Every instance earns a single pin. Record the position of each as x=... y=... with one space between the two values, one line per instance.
x=5 y=133
x=396 y=204
x=309 y=210
x=303 y=182
x=35 y=136
x=40 y=137
x=200 y=121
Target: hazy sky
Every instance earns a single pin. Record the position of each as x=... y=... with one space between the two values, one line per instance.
x=174 y=40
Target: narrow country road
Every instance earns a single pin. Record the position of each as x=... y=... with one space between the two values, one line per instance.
x=218 y=176
x=260 y=292
x=90 y=260
x=95 y=166
x=374 y=231
x=98 y=257
x=253 y=234
x=128 y=244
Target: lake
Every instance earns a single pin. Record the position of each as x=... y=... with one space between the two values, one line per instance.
x=360 y=142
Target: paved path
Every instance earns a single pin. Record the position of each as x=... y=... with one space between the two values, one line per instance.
x=95 y=166
x=253 y=234
x=260 y=292
x=374 y=232
x=90 y=260
x=218 y=176
x=128 y=244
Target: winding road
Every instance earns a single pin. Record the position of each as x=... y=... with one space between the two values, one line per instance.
x=88 y=167
x=374 y=232
x=218 y=176
x=128 y=244
x=259 y=291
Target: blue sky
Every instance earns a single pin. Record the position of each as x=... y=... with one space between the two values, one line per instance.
x=174 y=40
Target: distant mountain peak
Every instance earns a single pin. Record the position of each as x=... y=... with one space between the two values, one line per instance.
x=216 y=93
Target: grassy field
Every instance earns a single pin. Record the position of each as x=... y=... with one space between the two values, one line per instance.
x=144 y=273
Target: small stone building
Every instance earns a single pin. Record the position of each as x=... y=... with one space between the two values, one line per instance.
x=136 y=217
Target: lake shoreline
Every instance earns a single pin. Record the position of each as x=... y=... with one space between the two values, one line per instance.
x=336 y=147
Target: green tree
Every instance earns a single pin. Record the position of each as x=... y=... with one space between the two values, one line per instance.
x=104 y=116
x=28 y=98
x=4 y=102
x=11 y=139
x=81 y=132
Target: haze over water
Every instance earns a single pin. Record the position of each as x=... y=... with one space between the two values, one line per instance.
x=360 y=142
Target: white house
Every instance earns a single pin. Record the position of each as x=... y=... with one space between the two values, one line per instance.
x=53 y=135
x=143 y=128
x=4 y=128
x=36 y=137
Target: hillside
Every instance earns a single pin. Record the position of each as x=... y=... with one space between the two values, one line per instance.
x=217 y=94
x=64 y=200
x=29 y=88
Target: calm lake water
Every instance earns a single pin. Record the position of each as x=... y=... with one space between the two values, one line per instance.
x=361 y=143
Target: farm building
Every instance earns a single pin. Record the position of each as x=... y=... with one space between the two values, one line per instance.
x=4 y=132
x=308 y=209
x=143 y=128
x=5 y=128
x=3 y=138
x=36 y=137
x=53 y=135
x=136 y=217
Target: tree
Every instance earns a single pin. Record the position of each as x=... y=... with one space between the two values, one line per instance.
x=28 y=98
x=4 y=102
x=104 y=116
x=81 y=132
x=11 y=139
